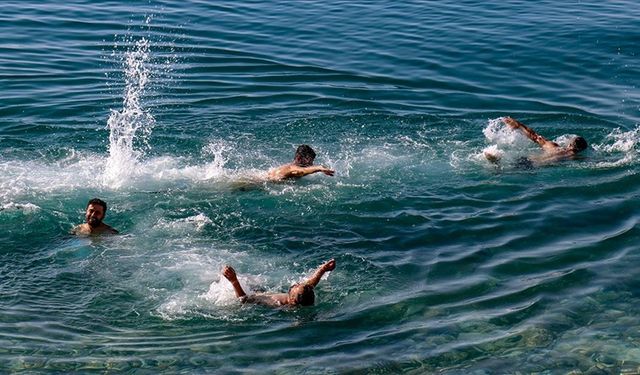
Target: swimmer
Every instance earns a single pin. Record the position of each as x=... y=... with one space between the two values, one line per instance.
x=96 y=210
x=300 y=294
x=301 y=166
x=552 y=152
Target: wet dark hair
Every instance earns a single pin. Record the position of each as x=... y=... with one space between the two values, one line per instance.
x=579 y=144
x=304 y=153
x=99 y=202
x=307 y=297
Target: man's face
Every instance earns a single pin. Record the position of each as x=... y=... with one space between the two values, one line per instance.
x=94 y=215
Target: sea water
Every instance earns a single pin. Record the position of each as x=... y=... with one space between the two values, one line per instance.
x=172 y=112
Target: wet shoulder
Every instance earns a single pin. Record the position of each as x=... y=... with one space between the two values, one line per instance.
x=281 y=172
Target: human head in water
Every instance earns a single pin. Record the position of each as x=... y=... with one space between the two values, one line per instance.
x=577 y=144
x=304 y=156
x=95 y=212
x=302 y=295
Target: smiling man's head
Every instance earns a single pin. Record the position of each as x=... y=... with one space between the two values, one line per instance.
x=96 y=209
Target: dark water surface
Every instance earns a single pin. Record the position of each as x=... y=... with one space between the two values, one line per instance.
x=446 y=263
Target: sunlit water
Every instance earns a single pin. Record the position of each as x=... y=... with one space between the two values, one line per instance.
x=173 y=111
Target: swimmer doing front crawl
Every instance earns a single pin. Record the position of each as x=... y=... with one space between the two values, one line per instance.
x=300 y=294
x=94 y=214
x=301 y=166
x=552 y=152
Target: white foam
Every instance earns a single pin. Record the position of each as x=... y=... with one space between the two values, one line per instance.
x=620 y=147
x=192 y=268
x=24 y=207
x=21 y=179
x=220 y=293
x=618 y=141
x=497 y=132
x=181 y=226
x=215 y=302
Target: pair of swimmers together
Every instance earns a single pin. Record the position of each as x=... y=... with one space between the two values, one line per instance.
x=302 y=294
x=302 y=164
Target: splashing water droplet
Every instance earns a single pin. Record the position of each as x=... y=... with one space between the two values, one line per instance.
x=132 y=123
x=496 y=132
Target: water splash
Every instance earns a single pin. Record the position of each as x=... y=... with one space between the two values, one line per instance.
x=500 y=134
x=619 y=142
x=132 y=124
x=218 y=151
x=504 y=142
x=184 y=226
x=28 y=208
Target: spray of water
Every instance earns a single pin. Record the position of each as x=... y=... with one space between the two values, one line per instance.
x=503 y=140
x=132 y=122
x=496 y=132
x=619 y=143
x=217 y=151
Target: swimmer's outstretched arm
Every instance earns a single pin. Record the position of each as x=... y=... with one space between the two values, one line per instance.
x=303 y=171
x=532 y=135
x=327 y=266
x=230 y=274
x=292 y=171
x=325 y=170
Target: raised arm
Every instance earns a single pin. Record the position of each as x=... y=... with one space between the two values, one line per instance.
x=532 y=135
x=315 y=279
x=230 y=274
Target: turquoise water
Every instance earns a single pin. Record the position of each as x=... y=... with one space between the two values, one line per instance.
x=445 y=263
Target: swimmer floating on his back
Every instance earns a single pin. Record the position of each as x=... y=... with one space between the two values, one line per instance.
x=301 y=166
x=94 y=214
x=552 y=152
x=300 y=294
